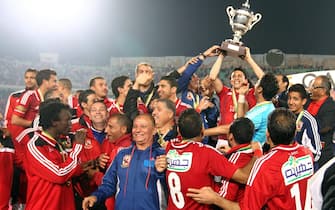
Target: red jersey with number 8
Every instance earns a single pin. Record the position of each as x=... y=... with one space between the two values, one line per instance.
x=193 y=165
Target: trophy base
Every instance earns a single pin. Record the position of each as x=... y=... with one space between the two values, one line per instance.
x=233 y=49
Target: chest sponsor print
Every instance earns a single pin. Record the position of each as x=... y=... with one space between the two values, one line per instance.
x=296 y=169
x=179 y=162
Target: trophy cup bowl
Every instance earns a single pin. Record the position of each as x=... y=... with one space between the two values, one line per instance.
x=241 y=21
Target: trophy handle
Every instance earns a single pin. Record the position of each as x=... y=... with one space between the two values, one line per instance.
x=256 y=18
x=231 y=13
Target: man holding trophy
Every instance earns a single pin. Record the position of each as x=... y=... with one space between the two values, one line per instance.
x=241 y=21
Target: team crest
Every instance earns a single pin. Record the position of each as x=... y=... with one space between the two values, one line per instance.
x=126 y=161
x=296 y=169
x=88 y=144
x=299 y=126
x=189 y=96
x=179 y=162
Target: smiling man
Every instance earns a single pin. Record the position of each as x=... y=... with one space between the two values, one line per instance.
x=307 y=127
x=132 y=177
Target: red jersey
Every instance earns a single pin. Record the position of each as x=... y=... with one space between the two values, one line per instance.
x=112 y=148
x=72 y=101
x=108 y=102
x=240 y=156
x=83 y=185
x=13 y=99
x=27 y=108
x=82 y=122
x=49 y=172
x=115 y=107
x=227 y=106
x=193 y=165
x=20 y=144
x=278 y=180
x=7 y=168
x=180 y=107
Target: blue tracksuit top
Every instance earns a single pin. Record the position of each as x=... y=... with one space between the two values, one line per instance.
x=131 y=192
x=210 y=115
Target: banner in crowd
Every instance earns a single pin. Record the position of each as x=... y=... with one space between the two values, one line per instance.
x=308 y=77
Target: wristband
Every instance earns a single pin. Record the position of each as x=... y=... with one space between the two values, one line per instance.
x=241 y=99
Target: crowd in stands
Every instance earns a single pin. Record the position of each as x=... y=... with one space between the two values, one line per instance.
x=193 y=136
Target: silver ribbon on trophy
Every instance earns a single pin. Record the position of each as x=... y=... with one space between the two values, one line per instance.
x=241 y=21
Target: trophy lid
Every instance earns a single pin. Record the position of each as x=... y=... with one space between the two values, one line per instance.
x=246 y=5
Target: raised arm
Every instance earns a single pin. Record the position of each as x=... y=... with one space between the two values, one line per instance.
x=257 y=70
x=214 y=73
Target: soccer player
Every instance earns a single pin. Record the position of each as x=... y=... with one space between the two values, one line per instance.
x=239 y=139
x=30 y=84
x=100 y=87
x=193 y=164
x=118 y=137
x=7 y=167
x=278 y=180
x=50 y=167
x=120 y=87
x=229 y=96
x=265 y=89
x=307 y=126
x=27 y=107
x=65 y=87
x=167 y=88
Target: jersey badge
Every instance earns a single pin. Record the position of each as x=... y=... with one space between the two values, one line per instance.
x=126 y=161
x=88 y=144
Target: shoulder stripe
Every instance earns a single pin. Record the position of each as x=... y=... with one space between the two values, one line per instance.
x=49 y=164
x=24 y=133
x=258 y=164
x=234 y=157
x=26 y=96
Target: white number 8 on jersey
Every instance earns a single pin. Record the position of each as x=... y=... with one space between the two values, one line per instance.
x=175 y=190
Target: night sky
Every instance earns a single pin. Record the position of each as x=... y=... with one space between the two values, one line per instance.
x=168 y=28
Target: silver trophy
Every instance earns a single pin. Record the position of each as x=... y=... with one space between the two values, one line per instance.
x=241 y=21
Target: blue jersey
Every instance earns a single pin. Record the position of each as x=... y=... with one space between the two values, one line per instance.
x=259 y=116
x=133 y=179
x=209 y=116
x=308 y=134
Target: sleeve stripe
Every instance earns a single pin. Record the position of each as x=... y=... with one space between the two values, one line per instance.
x=50 y=165
x=224 y=188
x=316 y=136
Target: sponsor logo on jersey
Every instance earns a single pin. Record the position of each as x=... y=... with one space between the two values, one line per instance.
x=126 y=161
x=179 y=162
x=296 y=169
